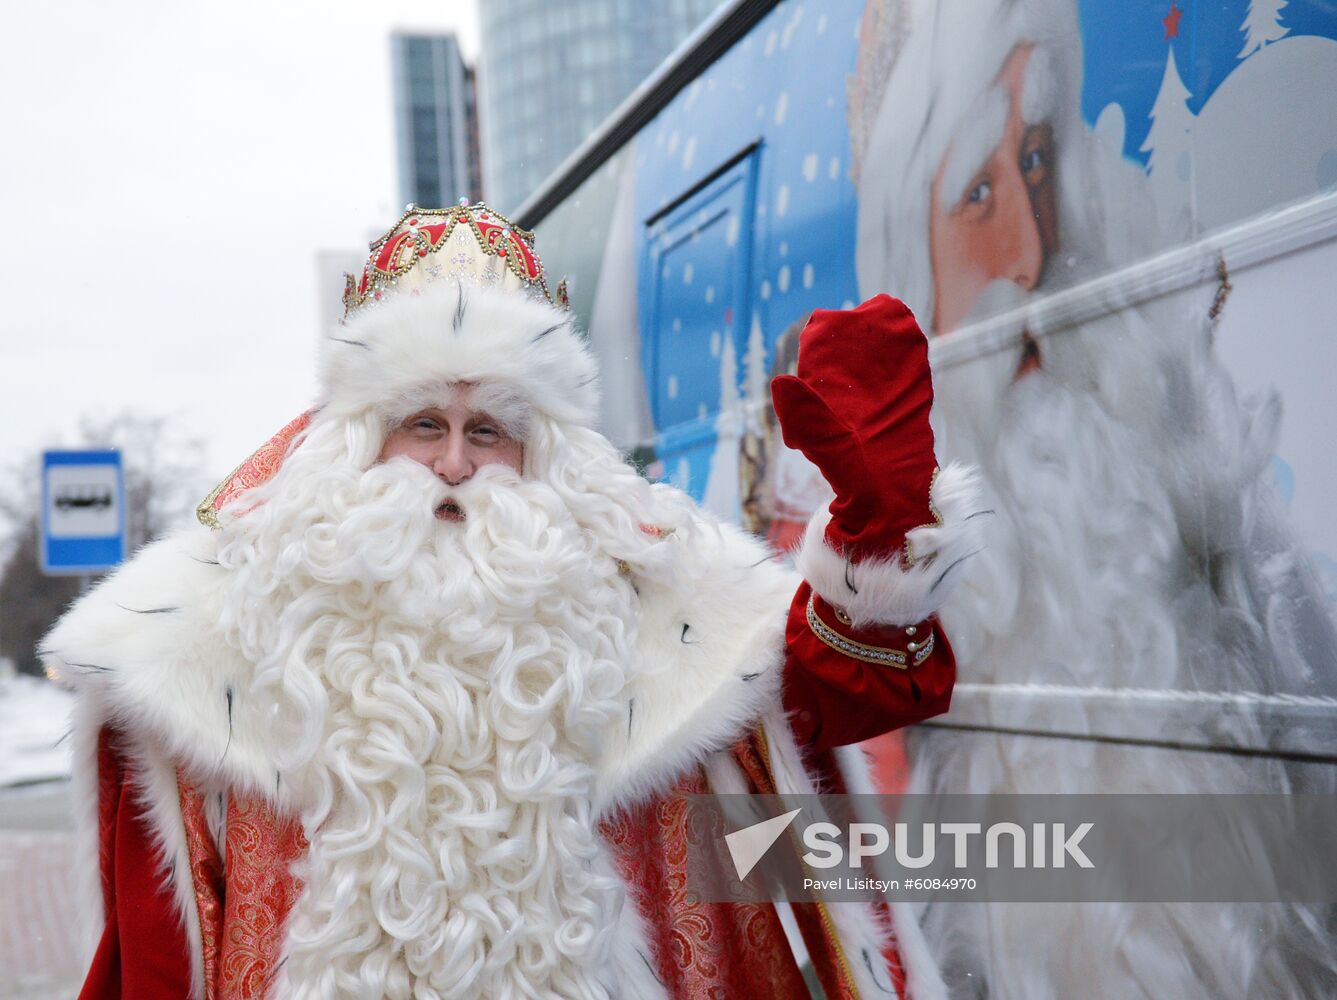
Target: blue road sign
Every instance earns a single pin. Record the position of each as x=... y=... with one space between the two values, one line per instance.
x=83 y=512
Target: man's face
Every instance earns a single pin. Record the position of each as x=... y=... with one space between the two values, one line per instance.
x=1003 y=225
x=454 y=442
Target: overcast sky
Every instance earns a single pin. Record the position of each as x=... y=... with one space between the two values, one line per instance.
x=169 y=170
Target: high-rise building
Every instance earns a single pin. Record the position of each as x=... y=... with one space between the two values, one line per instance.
x=435 y=120
x=551 y=72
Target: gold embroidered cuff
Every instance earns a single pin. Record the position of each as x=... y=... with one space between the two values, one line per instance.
x=883 y=655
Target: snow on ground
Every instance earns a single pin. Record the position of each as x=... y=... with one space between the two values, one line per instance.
x=34 y=715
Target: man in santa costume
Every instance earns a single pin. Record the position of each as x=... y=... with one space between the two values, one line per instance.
x=418 y=716
x=1139 y=544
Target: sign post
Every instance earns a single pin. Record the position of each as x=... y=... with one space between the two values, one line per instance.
x=83 y=512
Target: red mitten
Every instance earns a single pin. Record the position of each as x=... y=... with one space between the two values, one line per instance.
x=859 y=410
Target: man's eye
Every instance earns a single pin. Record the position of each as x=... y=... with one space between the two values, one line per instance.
x=1032 y=160
x=424 y=423
x=979 y=193
x=486 y=432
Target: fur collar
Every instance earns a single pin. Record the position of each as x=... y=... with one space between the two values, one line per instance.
x=146 y=653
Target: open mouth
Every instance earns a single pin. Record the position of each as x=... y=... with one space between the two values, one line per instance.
x=450 y=511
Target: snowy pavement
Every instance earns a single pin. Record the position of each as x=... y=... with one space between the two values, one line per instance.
x=34 y=715
x=40 y=958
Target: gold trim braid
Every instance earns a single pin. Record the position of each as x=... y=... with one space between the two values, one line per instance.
x=882 y=655
x=937 y=522
x=206 y=512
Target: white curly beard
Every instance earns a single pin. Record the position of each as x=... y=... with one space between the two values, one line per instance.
x=440 y=692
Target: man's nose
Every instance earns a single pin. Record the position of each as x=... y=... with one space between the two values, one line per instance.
x=1020 y=246
x=452 y=463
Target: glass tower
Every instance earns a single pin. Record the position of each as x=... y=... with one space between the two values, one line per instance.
x=551 y=72
x=435 y=121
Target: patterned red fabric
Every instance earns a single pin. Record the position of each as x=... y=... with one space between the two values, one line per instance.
x=242 y=910
x=829 y=959
x=262 y=846
x=207 y=877
x=257 y=469
x=702 y=950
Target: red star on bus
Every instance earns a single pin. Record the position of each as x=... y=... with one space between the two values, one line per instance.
x=1171 y=22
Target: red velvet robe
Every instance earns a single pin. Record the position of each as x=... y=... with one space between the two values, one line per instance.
x=701 y=949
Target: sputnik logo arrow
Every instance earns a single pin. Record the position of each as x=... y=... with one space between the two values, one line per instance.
x=746 y=846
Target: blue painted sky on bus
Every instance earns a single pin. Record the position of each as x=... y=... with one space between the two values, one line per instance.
x=786 y=84
x=1124 y=51
x=804 y=233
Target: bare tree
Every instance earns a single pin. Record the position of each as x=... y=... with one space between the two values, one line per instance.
x=163 y=482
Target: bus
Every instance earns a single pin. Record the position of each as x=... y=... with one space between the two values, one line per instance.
x=1117 y=224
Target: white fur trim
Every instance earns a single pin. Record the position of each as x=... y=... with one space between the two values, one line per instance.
x=712 y=658
x=85 y=726
x=923 y=980
x=403 y=354
x=632 y=960
x=862 y=933
x=883 y=591
x=145 y=652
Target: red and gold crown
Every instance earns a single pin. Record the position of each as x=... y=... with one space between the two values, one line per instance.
x=467 y=243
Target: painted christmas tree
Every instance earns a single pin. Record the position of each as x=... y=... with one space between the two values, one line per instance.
x=1262 y=25
x=756 y=375
x=1171 y=132
x=721 y=496
x=1170 y=145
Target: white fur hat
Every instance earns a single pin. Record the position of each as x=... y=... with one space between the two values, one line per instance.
x=450 y=296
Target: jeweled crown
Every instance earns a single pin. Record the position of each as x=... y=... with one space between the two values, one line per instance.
x=471 y=244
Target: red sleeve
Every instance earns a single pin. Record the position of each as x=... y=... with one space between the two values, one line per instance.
x=844 y=686
x=143 y=954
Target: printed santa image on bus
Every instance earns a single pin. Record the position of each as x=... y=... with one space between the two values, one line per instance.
x=1140 y=542
x=1091 y=211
